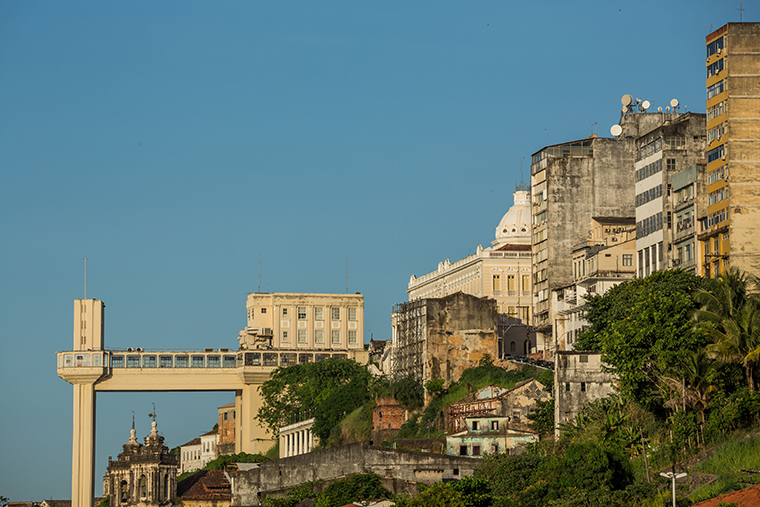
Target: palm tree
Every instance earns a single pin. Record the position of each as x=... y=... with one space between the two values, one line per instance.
x=730 y=315
x=695 y=385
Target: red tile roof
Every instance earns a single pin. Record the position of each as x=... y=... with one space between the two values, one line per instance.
x=205 y=485
x=195 y=441
x=747 y=497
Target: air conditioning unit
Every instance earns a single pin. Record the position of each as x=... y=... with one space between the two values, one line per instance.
x=719 y=50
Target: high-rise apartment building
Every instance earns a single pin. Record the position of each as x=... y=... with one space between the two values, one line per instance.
x=730 y=230
x=571 y=183
x=678 y=143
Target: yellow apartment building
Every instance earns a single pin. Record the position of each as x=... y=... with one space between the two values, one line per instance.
x=729 y=232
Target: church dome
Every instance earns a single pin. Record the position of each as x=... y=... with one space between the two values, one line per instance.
x=514 y=226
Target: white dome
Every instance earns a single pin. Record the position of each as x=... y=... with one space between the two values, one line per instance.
x=514 y=226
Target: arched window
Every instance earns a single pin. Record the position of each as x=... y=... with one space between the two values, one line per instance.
x=512 y=347
x=143 y=486
x=166 y=486
x=124 y=488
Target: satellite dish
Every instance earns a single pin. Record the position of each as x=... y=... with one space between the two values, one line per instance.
x=616 y=130
x=624 y=109
x=646 y=105
x=659 y=109
x=667 y=108
x=626 y=100
x=674 y=103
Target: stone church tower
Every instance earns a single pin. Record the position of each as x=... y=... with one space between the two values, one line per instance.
x=144 y=475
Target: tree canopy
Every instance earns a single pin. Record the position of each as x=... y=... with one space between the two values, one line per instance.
x=326 y=390
x=642 y=327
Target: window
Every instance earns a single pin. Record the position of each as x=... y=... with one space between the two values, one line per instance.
x=583 y=358
x=714 y=46
x=716 y=89
x=225 y=416
x=716 y=175
x=133 y=361
x=352 y=337
x=510 y=282
x=319 y=336
x=715 y=68
x=335 y=313
x=583 y=387
x=117 y=361
x=497 y=282
x=494 y=425
x=284 y=336
x=474 y=425
x=319 y=313
x=301 y=313
x=284 y=311
x=165 y=361
x=525 y=283
x=149 y=361
x=263 y=310
x=301 y=336
x=716 y=132
x=214 y=361
x=336 y=336
x=463 y=450
x=495 y=448
x=180 y=362
x=715 y=111
x=198 y=361
x=475 y=450
x=627 y=259
x=352 y=314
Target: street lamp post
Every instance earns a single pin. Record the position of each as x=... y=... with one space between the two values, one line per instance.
x=673 y=476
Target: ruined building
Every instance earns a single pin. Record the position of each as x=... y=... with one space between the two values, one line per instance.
x=579 y=379
x=144 y=475
x=442 y=337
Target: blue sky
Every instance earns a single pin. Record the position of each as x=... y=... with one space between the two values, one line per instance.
x=173 y=143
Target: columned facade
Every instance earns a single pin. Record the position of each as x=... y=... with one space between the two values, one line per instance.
x=296 y=439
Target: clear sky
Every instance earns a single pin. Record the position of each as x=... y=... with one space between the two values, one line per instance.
x=173 y=143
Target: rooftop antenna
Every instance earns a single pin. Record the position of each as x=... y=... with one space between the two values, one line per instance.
x=741 y=10
x=153 y=415
x=259 y=289
x=710 y=27
x=133 y=419
x=85 y=278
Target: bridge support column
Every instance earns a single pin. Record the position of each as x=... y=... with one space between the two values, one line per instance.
x=254 y=438
x=83 y=448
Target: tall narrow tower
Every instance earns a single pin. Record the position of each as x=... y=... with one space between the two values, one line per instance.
x=87 y=356
x=729 y=231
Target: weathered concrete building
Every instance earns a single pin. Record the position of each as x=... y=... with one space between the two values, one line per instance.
x=144 y=475
x=495 y=401
x=677 y=144
x=600 y=262
x=579 y=379
x=500 y=272
x=729 y=232
x=326 y=464
x=688 y=201
x=488 y=434
x=442 y=337
x=571 y=183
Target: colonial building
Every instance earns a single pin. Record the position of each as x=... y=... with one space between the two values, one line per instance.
x=488 y=434
x=208 y=447
x=144 y=475
x=494 y=401
x=729 y=229
x=190 y=456
x=297 y=438
x=330 y=322
x=500 y=272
